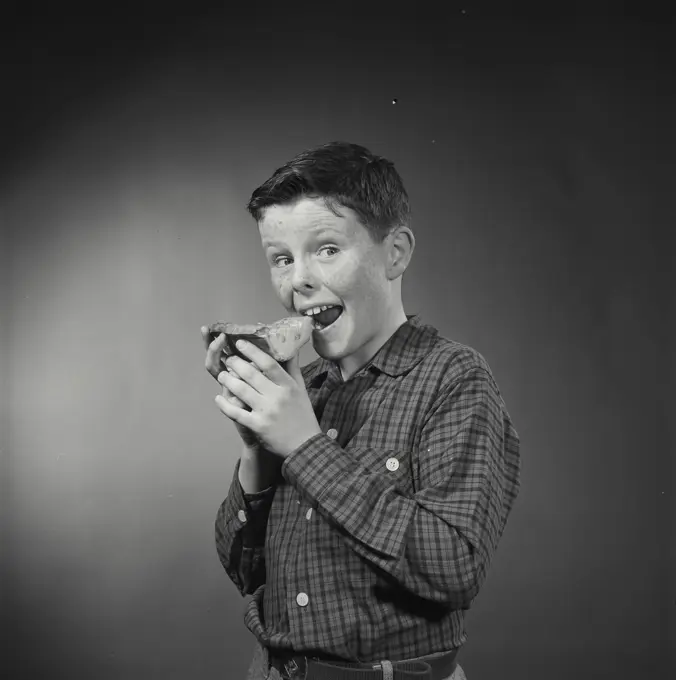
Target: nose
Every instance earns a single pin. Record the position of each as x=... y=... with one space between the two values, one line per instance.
x=303 y=276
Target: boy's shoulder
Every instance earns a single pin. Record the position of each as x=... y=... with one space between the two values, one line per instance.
x=455 y=359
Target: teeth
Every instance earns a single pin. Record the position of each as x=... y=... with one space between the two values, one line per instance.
x=316 y=310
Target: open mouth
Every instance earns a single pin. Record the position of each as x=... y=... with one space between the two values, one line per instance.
x=320 y=323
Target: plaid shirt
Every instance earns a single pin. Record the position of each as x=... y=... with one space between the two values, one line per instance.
x=377 y=534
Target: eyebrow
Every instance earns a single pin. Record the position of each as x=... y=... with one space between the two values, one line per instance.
x=315 y=232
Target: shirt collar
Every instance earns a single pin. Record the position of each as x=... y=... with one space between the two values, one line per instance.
x=405 y=348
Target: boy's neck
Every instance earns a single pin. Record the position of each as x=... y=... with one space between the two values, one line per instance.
x=351 y=368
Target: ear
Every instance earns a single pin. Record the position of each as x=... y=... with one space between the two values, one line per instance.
x=402 y=244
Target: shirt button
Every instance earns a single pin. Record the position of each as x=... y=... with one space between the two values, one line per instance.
x=332 y=433
x=302 y=599
x=242 y=516
x=392 y=464
x=308 y=514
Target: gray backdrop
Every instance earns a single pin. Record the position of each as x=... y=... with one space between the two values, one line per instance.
x=534 y=150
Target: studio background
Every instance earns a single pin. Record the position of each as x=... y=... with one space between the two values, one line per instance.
x=534 y=149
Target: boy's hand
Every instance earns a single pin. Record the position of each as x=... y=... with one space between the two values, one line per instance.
x=281 y=413
x=215 y=364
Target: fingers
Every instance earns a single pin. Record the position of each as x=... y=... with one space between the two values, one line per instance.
x=248 y=374
x=240 y=389
x=207 y=337
x=215 y=365
x=265 y=364
x=231 y=398
x=245 y=419
x=214 y=353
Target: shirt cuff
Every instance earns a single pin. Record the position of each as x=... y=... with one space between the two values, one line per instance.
x=249 y=511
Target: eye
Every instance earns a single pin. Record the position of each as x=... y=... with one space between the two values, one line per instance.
x=284 y=257
x=329 y=247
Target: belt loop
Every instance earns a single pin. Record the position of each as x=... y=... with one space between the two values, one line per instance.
x=388 y=670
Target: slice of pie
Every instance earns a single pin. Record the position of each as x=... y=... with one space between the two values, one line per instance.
x=281 y=340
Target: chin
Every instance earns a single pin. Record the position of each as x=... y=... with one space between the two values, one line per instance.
x=325 y=353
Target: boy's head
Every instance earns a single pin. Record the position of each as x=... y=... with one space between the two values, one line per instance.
x=357 y=261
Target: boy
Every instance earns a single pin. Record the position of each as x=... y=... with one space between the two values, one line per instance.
x=374 y=483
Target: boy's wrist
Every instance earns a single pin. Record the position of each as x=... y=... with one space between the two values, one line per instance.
x=258 y=470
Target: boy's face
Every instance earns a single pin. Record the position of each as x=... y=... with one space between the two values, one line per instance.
x=316 y=258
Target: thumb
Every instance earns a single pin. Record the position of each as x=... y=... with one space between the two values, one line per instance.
x=292 y=367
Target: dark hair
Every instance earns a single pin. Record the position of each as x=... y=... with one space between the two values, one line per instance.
x=341 y=174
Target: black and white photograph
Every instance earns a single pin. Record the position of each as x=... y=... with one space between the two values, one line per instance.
x=337 y=341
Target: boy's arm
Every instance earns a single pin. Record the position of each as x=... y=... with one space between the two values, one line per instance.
x=438 y=542
x=241 y=524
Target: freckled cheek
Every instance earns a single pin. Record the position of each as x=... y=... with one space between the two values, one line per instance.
x=340 y=280
x=282 y=284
